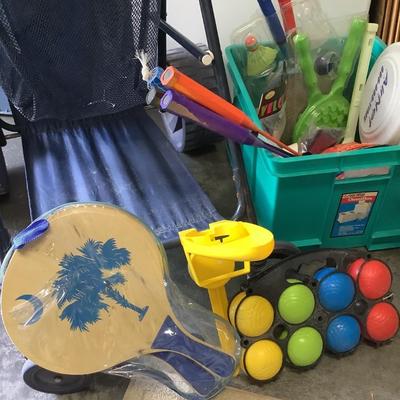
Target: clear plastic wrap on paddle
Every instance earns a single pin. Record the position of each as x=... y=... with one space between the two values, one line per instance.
x=87 y=289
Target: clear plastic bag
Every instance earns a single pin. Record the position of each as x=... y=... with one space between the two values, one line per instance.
x=92 y=293
x=319 y=140
x=333 y=70
x=326 y=39
x=201 y=324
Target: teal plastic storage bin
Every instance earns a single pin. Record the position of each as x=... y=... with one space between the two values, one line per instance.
x=334 y=200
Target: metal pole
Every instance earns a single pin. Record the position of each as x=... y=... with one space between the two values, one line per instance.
x=210 y=26
x=204 y=56
x=162 y=37
x=4 y=183
x=239 y=177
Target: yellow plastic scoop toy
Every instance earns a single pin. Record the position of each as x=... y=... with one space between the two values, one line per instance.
x=223 y=252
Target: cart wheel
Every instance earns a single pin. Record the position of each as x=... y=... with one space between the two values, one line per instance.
x=45 y=381
x=184 y=135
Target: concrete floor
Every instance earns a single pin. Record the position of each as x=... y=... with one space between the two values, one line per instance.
x=369 y=374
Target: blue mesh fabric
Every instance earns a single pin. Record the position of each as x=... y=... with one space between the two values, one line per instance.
x=75 y=59
x=122 y=159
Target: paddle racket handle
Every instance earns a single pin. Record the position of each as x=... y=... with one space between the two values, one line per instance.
x=172 y=339
x=181 y=83
x=303 y=51
x=180 y=105
x=289 y=21
x=178 y=81
x=350 y=50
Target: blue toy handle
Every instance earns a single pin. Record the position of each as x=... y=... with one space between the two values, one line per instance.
x=171 y=338
x=202 y=381
x=32 y=232
x=273 y=22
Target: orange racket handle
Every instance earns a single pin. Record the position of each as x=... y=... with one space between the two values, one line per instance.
x=174 y=79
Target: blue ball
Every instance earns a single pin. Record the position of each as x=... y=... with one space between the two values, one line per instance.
x=343 y=334
x=336 y=291
x=323 y=272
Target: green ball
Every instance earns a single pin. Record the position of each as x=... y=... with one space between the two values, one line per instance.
x=296 y=304
x=291 y=280
x=305 y=347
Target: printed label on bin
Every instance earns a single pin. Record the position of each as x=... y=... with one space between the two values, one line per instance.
x=353 y=213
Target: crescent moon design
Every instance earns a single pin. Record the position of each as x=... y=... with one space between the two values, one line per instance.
x=37 y=308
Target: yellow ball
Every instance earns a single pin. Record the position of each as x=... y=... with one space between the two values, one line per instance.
x=254 y=316
x=263 y=360
x=233 y=307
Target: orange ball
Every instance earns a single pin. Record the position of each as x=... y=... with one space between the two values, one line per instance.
x=374 y=279
x=354 y=268
x=382 y=322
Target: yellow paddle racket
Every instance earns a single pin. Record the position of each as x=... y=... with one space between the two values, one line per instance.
x=89 y=291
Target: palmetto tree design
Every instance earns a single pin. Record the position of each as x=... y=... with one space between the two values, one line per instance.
x=83 y=283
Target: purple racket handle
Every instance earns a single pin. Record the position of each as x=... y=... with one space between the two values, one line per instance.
x=180 y=105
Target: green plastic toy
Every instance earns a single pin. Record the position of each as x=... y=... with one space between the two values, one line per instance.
x=327 y=110
x=305 y=347
x=288 y=304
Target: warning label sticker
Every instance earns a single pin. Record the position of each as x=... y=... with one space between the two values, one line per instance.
x=353 y=213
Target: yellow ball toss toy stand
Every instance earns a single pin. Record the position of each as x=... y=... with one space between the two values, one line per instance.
x=222 y=252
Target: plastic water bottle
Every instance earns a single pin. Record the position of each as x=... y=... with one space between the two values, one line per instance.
x=266 y=81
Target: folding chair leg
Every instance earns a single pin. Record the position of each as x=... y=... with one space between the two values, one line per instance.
x=244 y=206
x=4 y=186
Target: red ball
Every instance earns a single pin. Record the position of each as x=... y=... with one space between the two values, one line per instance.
x=382 y=322
x=374 y=279
x=354 y=268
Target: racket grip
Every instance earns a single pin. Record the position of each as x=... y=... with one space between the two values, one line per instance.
x=174 y=79
x=178 y=104
x=171 y=338
x=179 y=82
